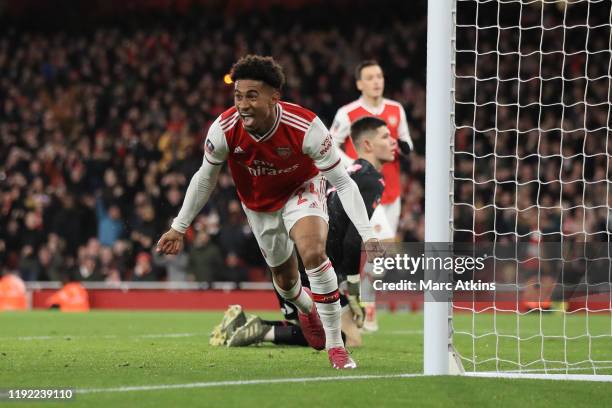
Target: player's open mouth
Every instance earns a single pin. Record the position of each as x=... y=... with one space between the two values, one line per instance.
x=247 y=120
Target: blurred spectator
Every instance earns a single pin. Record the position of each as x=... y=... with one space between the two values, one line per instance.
x=144 y=227
x=50 y=262
x=87 y=268
x=109 y=268
x=66 y=223
x=110 y=224
x=235 y=271
x=29 y=268
x=233 y=232
x=175 y=265
x=206 y=262
x=143 y=270
x=32 y=235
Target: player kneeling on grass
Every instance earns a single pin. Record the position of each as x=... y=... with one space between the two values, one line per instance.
x=375 y=147
x=280 y=155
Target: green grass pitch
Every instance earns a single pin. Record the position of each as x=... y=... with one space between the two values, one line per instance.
x=102 y=350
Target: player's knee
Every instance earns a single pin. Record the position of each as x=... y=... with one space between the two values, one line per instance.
x=313 y=255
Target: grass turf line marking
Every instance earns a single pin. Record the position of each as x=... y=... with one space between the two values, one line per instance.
x=107 y=336
x=245 y=382
x=559 y=369
x=570 y=377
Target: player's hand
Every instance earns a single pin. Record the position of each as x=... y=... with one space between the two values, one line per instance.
x=352 y=291
x=170 y=243
x=373 y=249
x=358 y=312
x=354 y=302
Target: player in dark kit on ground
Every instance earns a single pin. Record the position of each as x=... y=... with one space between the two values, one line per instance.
x=280 y=155
x=375 y=147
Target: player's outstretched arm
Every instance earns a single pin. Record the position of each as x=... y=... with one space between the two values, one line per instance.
x=199 y=190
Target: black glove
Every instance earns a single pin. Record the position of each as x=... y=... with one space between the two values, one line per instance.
x=404 y=147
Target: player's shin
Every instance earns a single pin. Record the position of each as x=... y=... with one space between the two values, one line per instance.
x=324 y=286
x=295 y=295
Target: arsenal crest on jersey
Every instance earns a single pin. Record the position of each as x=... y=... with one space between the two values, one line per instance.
x=209 y=146
x=392 y=120
x=283 y=152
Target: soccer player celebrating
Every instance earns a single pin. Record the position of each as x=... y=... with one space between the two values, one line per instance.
x=374 y=146
x=279 y=155
x=371 y=83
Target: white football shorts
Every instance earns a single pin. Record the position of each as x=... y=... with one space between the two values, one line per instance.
x=393 y=214
x=271 y=229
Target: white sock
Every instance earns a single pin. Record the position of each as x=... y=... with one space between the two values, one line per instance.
x=296 y=296
x=324 y=286
x=269 y=336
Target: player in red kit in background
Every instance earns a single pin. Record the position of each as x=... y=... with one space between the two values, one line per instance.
x=279 y=155
x=371 y=84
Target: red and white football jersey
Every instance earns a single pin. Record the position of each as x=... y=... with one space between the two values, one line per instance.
x=267 y=169
x=394 y=115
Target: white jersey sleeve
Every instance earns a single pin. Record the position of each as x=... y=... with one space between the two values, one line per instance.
x=341 y=127
x=319 y=146
x=215 y=145
x=204 y=180
x=340 y=131
x=403 y=130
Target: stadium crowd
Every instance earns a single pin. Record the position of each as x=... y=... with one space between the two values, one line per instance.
x=533 y=119
x=100 y=131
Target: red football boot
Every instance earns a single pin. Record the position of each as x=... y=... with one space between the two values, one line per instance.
x=312 y=327
x=340 y=359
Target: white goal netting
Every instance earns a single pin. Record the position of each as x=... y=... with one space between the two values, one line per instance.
x=532 y=165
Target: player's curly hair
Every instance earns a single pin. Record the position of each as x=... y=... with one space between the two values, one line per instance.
x=259 y=68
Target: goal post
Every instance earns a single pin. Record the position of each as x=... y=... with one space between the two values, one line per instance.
x=437 y=174
x=519 y=153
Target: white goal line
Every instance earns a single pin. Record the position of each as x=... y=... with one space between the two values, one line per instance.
x=245 y=382
x=533 y=376
x=573 y=377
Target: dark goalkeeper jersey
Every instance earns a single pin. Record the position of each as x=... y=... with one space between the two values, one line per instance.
x=343 y=240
